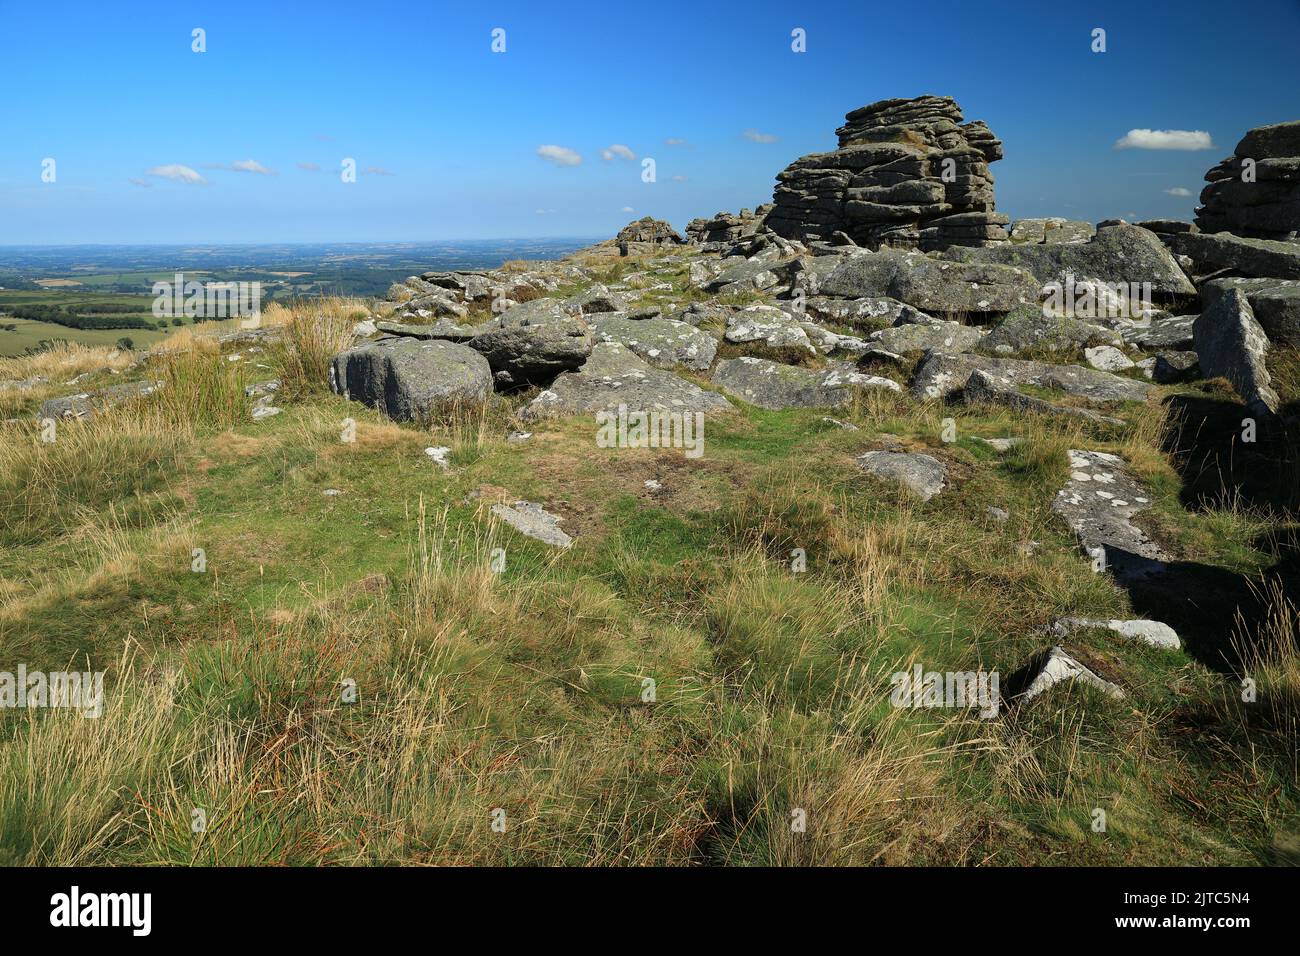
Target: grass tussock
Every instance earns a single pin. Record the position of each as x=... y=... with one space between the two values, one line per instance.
x=314 y=331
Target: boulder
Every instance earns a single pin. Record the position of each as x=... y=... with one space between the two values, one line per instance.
x=408 y=378
x=984 y=388
x=1230 y=343
x=944 y=336
x=923 y=475
x=1121 y=254
x=1154 y=633
x=940 y=374
x=86 y=404
x=1275 y=302
x=1107 y=358
x=614 y=375
x=774 y=386
x=1173 y=367
x=532 y=520
x=1052 y=229
x=523 y=355
x=663 y=343
x=1026 y=329
x=770 y=326
x=1098 y=503
x=1255 y=258
x=932 y=285
x=1053 y=667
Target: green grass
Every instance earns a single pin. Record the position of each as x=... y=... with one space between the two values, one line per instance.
x=667 y=691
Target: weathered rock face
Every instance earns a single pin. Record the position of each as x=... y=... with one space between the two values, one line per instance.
x=1255 y=192
x=651 y=230
x=406 y=378
x=85 y=404
x=1230 y=343
x=727 y=227
x=907 y=173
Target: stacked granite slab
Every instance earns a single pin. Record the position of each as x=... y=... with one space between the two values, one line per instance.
x=908 y=173
x=1267 y=207
x=726 y=227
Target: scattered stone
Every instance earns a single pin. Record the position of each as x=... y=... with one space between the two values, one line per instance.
x=517 y=436
x=836 y=423
x=1174 y=332
x=726 y=227
x=1230 y=343
x=595 y=300
x=1169 y=368
x=1000 y=515
x=1098 y=503
x=439 y=455
x=364 y=329
x=1002 y=444
x=407 y=378
x=1107 y=358
x=331 y=492
x=923 y=475
x=867 y=311
x=1056 y=666
x=982 y=387
x=1153 y=633
x=86 y=404
x=774 y=386
x=532 y=520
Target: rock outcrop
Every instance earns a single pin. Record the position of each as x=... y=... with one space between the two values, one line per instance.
x=408 y=378
x=647 y=229
x=727 y=227
x=1255 y=192
x=907 y=173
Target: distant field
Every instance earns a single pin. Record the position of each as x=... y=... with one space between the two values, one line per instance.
x=29 y=333
x=72 y=296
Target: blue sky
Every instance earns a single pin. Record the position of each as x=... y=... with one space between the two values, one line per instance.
x=451 y=130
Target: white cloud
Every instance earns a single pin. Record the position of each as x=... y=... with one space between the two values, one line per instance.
x=182 y=174
x=559 y=155
x=675 y=141
x=617 y=149
x=1186 y=139
x=1178 y=191
x=628 y=209
x=251 y=166
x=754 y=136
